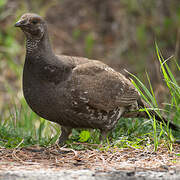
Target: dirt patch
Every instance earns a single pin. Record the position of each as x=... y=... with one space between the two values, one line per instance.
x=110 y=164
x=112 y=159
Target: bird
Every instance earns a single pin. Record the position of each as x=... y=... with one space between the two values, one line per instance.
x=75 y=92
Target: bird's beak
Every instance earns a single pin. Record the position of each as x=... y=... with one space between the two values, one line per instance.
x=20 y=23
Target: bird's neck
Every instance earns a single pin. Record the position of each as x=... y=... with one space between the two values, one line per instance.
x=38 y=46
x=32 y=45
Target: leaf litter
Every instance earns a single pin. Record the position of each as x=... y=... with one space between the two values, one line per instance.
x=111 y=159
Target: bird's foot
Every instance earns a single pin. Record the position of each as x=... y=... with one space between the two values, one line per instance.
x=65 y=132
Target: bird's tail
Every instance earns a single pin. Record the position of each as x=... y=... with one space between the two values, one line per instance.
x=144 y=114
x=153 y=113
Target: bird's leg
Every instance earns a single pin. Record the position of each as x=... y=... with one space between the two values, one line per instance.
x=65 y=132
x=103 y=136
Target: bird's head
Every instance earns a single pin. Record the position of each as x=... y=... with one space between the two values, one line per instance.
x=32 y=25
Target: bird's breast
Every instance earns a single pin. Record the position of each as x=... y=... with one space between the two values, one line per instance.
x=43 y=97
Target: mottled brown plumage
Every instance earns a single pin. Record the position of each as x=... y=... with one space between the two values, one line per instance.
x=75 y=92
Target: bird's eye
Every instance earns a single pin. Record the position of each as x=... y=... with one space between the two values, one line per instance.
x=34 y=22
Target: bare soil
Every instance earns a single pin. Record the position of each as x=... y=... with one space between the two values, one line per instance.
x=89 y=164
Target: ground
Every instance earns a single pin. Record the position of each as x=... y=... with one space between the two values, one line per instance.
x=57 y=160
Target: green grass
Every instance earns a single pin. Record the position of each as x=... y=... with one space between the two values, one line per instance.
x=24 y=127
x=171 y=111
x=20 y=127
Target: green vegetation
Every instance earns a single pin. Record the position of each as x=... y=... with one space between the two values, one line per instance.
x=22 y=127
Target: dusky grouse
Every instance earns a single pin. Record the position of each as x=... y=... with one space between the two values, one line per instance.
x=74 y=92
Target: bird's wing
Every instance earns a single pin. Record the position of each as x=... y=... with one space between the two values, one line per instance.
x=73 y=60
x=102 y=87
